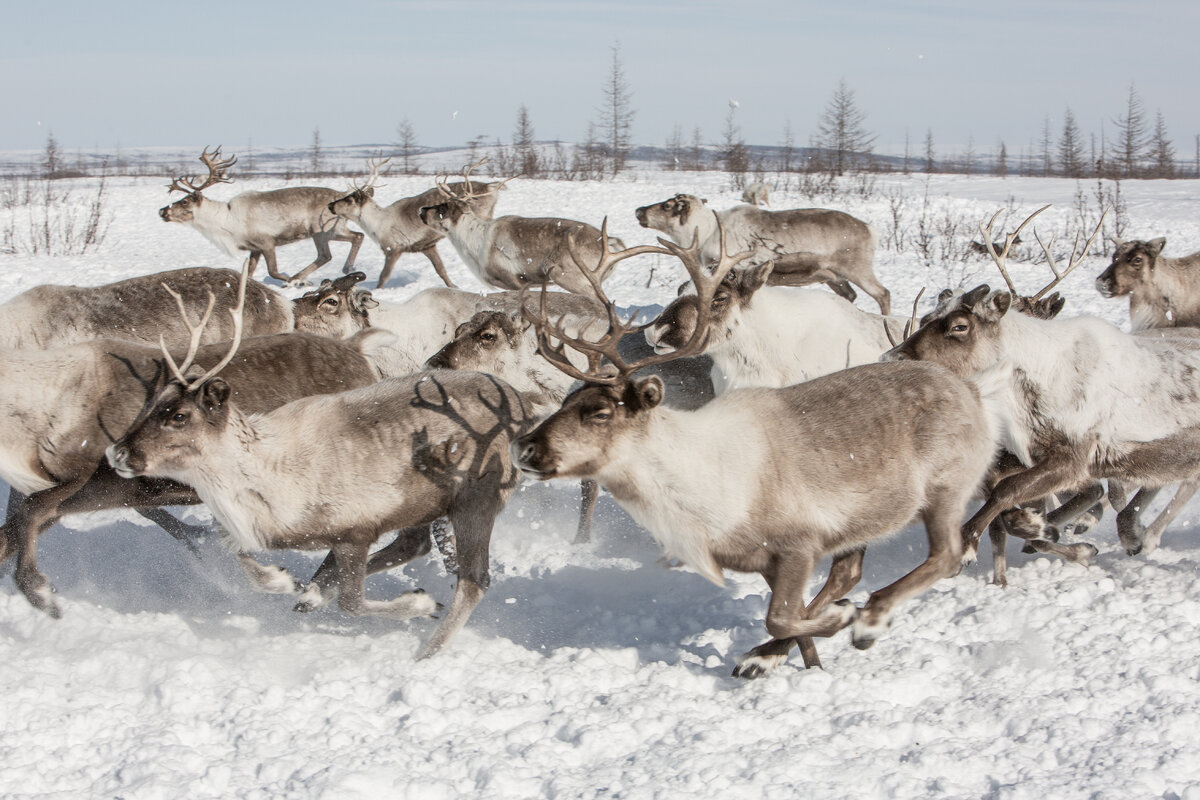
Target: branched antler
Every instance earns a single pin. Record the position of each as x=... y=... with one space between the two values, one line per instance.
x=196 y=331
x=1001 y=258
x=441 y=183
x=605 y=347
x=1073 y=261
x=217 y=168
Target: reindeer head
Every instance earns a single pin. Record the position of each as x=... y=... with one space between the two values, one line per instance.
x=351 y=206
x=1133 y=265
x=185 y=210
x=337 y=308
x=478 y=199
x=671 y=216
x=675 y=325
x=479 y=342
x=961 y=334
x=166 y=439
x=612 y=406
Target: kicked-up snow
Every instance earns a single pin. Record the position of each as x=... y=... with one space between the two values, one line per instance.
x=594 y=671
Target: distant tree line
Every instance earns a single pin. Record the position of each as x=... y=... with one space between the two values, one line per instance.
x=1133 y=145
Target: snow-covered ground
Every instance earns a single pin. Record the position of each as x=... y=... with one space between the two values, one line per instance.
x=592 y=671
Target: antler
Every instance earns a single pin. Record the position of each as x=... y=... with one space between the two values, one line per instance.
x=196 y=331
x=216 y=173
x=909 y=326
x=374 y=164
x=606 y=347
x=1001 y=258
x=441 y=183
x=1073 y=261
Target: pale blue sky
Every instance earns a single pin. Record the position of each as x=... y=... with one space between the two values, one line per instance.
x=171 y=73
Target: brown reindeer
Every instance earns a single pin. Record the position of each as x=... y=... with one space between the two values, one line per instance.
x=772 y=480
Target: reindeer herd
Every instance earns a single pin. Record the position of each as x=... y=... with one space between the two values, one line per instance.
x=752 y=425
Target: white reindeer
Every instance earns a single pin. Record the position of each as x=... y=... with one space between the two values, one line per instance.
x=259 y=222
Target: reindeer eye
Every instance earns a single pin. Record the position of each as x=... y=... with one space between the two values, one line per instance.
x=720 y=299
x=487 y=336
x=331 y=302
x=960 y=327
x=597 y=416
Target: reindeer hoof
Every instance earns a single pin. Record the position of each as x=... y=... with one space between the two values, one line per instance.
x=1082 y=553
x=750 y=667
x=1133 y=551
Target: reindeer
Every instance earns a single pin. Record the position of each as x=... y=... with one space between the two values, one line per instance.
x=398 y=229
x=1055 y=390
x=64 y=405
x=337 y=472
x=769 y=336
x=502 y=342
x=771 y=480
x=136 y=309
x=807 y=245
x=511 y=252
x=756 y=194
x=261 y=221
x=1163 y=292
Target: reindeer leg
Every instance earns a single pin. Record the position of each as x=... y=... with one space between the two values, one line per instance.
x=1129 y=526
x=999 y=539
x=941 y=519
x=408 y=544
x=589 y=491
x=324 y=256
x=472 y=513
x=355 y=239
x=268 y=254
x=438 y=267
x=25 y=524
x=1050 y=475
x=785 y=612
x=389 y=261
x=351 y=561
x=1070 y=513
x=1153 y=534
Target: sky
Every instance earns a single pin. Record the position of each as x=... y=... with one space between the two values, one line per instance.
x=271 y=72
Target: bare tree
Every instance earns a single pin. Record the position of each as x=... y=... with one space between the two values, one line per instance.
x=524 y=151
x=407 y=147
x=1000 y=169
x=1129 y=146
x=589 y=157
x=907 y=168
x=929 y=161
x=315 y=156
x=675 y=156
x=616 y=114
x=51 y=157
x=734 y=156
x=1046 y=148
x=969 y=155
x=696 y=151
x=1162 y=151
x=787 y=153
x=842 y=130
x=1070 y=148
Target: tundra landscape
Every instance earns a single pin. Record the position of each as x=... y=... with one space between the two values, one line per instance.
x=595 y=669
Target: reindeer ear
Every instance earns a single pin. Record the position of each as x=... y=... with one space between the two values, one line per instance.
x=755 y=278
x=361 y=300
x=648 y=392
x=1155 y=246
x=520 y=324
x=1054 y=305
x=973 y=297
x=213 y=394
x=999 y=303
x=369 y=191
x=944 y=295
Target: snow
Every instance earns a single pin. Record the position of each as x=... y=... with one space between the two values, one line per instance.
x=593 y=671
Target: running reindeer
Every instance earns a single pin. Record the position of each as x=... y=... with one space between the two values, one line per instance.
x=1076 y=400
x=337 y=472
x=771 y=480
x=510 y=252
x=398 y=228
x=259 y=222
